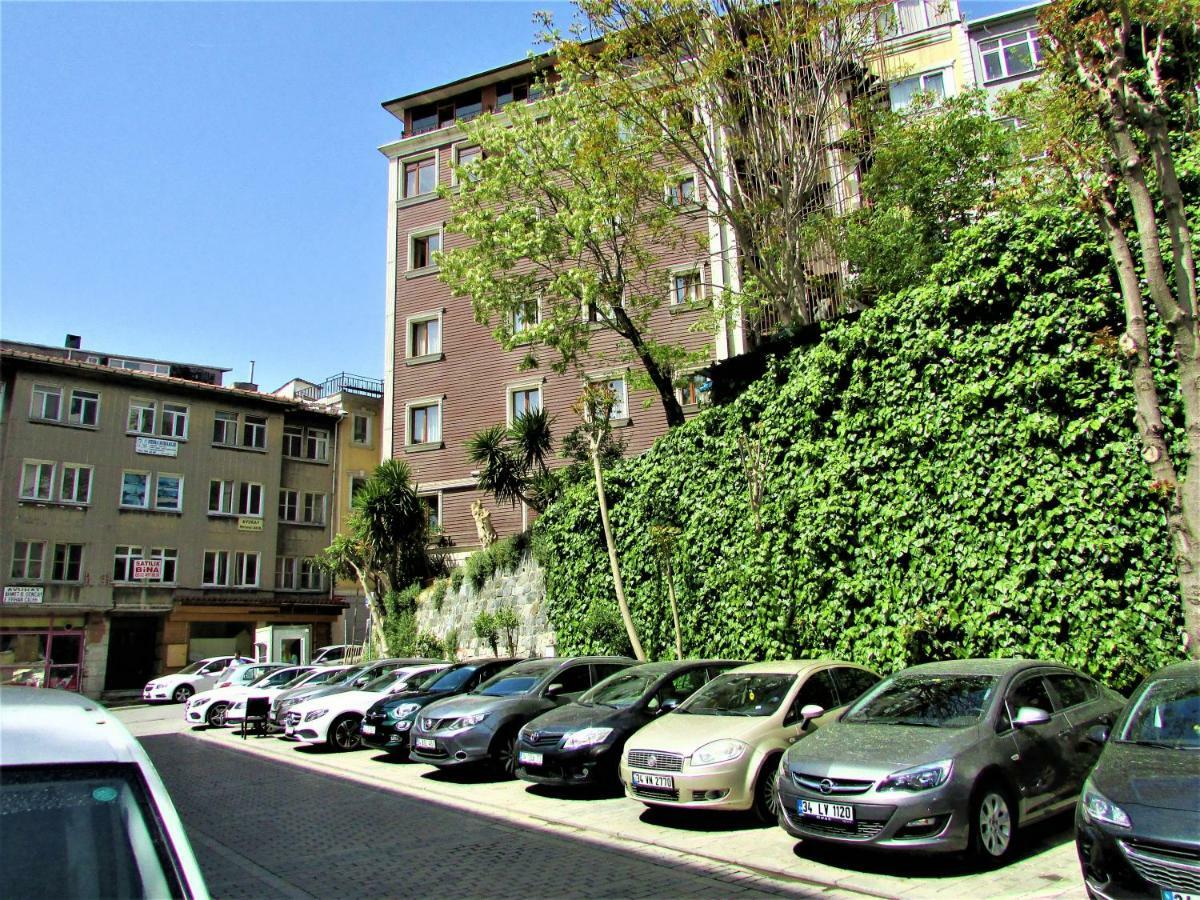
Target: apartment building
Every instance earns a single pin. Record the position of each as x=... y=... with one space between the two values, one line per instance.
x=154 y=517
x=1006 y=49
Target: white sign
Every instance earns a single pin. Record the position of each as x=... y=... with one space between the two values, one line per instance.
x=14 y=594
x=156 y=447
x=246 y=523
x=147 y=570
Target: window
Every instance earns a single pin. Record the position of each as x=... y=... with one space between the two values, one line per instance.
x=314 y=508
x=682 y=191
x=467 y=156
x=174 y=421
x=76 y=484
x=46 y=403
x=620 y=407
x=1071 y=689
x=599 y=311
x=37 y=480
x=123 y=561
x=523 y=400
x=420 y=177
x=135 y=489
x=285 y=573
x=853 y=683
x=818 y=690
x=216 y=568
x=293 y=440
x=170 y=562
x=27 y=560
x=316 y=444
x=525 y=318
x=1030 y=692
x=220 y=498
x=360 y=430
x=1013 y=54
x=903 y=92
x=357 y=483
x=288 y=505
x=310 y=575
x=141 y=416
x=138 y=365
x=424 y=424
x=68 y=562
x=254 y=432
x=245 y=569
x=421 y=249
x=250 y=499
x=685 y=288
x=168 y=492
x=510 y=92
x=907 y=16
x=424 y=337
x=225 y=429
x=85 y=408
x=689 y=392
x=433 y=509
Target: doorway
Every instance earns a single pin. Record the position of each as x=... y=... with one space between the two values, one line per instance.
x=132 y=651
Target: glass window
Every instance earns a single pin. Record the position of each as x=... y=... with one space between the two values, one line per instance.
x=68 y=562
x=123 y=560
x=293 y=440
x=316 y=445
x=433 y=510
x=76 y=486
x=682 y=191
x=37 y=480
x=853 y=683
x=620 y=407
x=254 y=432
x=467 y=157
x=424 y=119
x=740 y=694
x=524 y=401
x=225 y=429
x=289 y=505
x=46 y=402
x=1164 y=713
x=685 y=288
x=818 y=690
x=314 y=508
x=310 y=575
x=1028 y=692
x=517 y=680
x=691 y=390
x=174 y=420
x=169 y=557
x=1013 y=54
x=420 y=177
x=510 y=92
x=360 y=430
x=245 y=569
x=220 y=497
x=423 y=249
x=85 y=408
x=285 y=573
x=574 y=680
x=250 y=499
x=168 y=492
x=903 y=91
x=135 y=489
x=426 y=337
x=27 y=560
x=942 y=701
x=141 y=416
x=680 y=687
x=525 y=318
x=425 y=424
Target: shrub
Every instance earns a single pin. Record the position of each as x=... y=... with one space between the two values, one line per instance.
x=456 y=579
x=485 y=630
x=437 y=593
x=450 y=645
x=427 y=645
x=479 y=568
x=507 y=622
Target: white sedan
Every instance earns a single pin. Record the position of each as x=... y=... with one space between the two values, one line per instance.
x=335 y=720
x=210 y=707
x=315 y=675
x=180 y=686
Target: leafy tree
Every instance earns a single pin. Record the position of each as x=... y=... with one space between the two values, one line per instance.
x=664 y=538
x=512 y=460
x=508 y=623
x=487 y=630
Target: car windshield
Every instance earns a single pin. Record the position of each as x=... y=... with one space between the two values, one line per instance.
x=276 y=678
x=380 y=683
x=517 y=680
x=1165 y=713
x=347 y=675
x=938 y=701
x=623 y=689
x=449 y=679
x=739 y=694
x=322 y=676
x=189 y=669
x=421 y=680
x=82 y=830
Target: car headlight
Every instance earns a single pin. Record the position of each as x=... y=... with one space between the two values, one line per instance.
x=404 y=710
x=586 y=737
x=196 y=702
x=465 y=722
x=1099 y=808
x=918 y=778
x=314 y=714
x=719 y=752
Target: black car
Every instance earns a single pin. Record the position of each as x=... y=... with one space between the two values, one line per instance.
x=581 y=743
x=388 y=721
x=1137 y=825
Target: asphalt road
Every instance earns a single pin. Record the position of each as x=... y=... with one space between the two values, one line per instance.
x=263 y=829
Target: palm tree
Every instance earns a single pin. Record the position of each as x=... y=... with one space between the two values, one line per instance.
x=512 y=460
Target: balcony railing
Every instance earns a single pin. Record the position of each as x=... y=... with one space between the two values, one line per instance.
x=343 y=382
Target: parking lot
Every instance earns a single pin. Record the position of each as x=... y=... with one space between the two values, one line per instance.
x=254 y=805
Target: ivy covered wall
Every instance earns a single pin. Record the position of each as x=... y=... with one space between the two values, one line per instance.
x=954 y=473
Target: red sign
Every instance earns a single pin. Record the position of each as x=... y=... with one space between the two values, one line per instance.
x=147 y=570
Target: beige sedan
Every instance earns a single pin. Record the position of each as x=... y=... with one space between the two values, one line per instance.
x=720 y=749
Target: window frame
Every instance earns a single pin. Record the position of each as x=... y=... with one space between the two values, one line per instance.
x=221 y=568
x=946 y=73
x=62 y=486
x=418 y=161
x=256 y=425
x=45 y=391
x=126 y=560
x=40 y=477
x=309 y=507
x=27 y=561
x=675 y=196
x=412 y=323
x=67 y=563
x=293 y=434
x=245 y=493
x=176 y=412
x=690 y=270
x=511 y=391
x=456 y=157
x=289 y=501
x=424 y=403
x=158 y=477
x=142 y=406
x=141 y=473
x=316 y=439
x=1031 y=37
x=225 y=418
x=691 y=379
x=94 y=398
x=240 y=560
x=436 y=506
x=286 y=570
x=167 y=555
x=367 y=420
x=423 y=234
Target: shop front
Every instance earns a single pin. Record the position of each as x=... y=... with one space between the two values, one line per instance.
x=43 y=651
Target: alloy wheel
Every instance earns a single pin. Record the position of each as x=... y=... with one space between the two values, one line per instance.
x=216 y=715
x=345 y=733
x=766 y=793
x=995 y=824
x=183 y=693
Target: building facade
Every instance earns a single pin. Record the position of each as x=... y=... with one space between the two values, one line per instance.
x=1006 y=49
x=154 y=518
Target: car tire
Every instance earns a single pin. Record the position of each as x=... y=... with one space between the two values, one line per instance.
x=183 y=693
x=215 y=717
x=345 y=734
x=504 y=753
x=766 y=792
x=993 y=823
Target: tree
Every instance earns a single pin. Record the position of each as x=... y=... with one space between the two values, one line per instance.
x=663 y=539
x=487 y=629
x=1124 y=107
x=566 y=220
x=512 y=460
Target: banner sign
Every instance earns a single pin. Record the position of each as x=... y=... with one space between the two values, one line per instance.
x=15 y=594
x=147 y=570
x=246 y=523
x=156 y=447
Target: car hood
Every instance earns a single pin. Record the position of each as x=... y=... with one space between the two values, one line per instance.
x=325 y=691
x=685 y=733
x=169 y=681
x=422 y=698
x=1129 y=774
x=574 y=716
x=847 y=749
x=229 y=693
x=469 y=704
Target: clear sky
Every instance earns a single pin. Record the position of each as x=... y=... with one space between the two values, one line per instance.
x=199 y=181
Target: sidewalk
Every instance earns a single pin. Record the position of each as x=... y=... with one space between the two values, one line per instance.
x=1046 y=868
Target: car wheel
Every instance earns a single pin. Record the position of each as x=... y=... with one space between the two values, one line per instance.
x=504 y=753
x=345 y=733
x=183 y=693
x=993 y=823
x=216 y=715
x=766 y=792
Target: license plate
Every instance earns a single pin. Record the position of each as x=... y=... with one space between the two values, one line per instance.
x=425 y=743
x=658 y=781
x=288 y=730
x=368 y=729
x=1176 y=895
x=529 y=759
x=834 y=812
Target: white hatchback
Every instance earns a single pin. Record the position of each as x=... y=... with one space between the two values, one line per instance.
x=180 y=686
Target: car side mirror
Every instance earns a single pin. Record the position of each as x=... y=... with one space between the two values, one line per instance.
x=1098 y=734
x=1030 y=715
x=809 y=712
x=554 y=690
x=667 y=705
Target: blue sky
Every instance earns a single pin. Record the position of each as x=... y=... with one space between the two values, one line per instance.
x=199 y=181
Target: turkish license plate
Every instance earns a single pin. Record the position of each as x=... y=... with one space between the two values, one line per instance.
x=425 y=743
x=368 y=729
x=833 y=812
x=658 y=781
x=1176 y=895
x=289 y=730
x=529 y=759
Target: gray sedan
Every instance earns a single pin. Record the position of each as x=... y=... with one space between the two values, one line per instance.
x=947 y=756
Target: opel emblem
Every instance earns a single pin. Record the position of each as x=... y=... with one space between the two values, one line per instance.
x=826 y=786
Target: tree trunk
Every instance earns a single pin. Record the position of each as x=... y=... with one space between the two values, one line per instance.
x=636 y=644
x=375 y=608
x=660 y=378
x=674 y=611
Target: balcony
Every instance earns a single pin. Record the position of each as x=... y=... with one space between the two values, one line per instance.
x=343 y=383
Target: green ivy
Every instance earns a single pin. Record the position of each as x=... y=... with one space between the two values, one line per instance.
x=951 y=474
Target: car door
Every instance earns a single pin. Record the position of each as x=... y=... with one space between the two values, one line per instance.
x=569 y=683
x=1036 y=762
x=818 y=690
x=207 y=676
x=1085 y=706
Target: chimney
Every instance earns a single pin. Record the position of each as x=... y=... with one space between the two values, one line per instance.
x=73 y=342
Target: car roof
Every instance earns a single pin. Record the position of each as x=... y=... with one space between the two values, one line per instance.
x=1189 y=667
x=40 y=726
x=979 y=667
x=787 y=666
x=590 y=659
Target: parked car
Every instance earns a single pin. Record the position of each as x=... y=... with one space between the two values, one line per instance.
x=270 y=689
x=581 y=743
x=1137 y=825
x=721 y=747
x=240 y=674
x=346 y=678
x=482 y=725
x=335 y=654
x=335 y=719
x=199 y=676
x=209 y=707
x=948 y=756
x=388 y=721
x=82 y=809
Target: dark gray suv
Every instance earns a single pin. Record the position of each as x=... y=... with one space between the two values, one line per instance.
x=483 y=724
